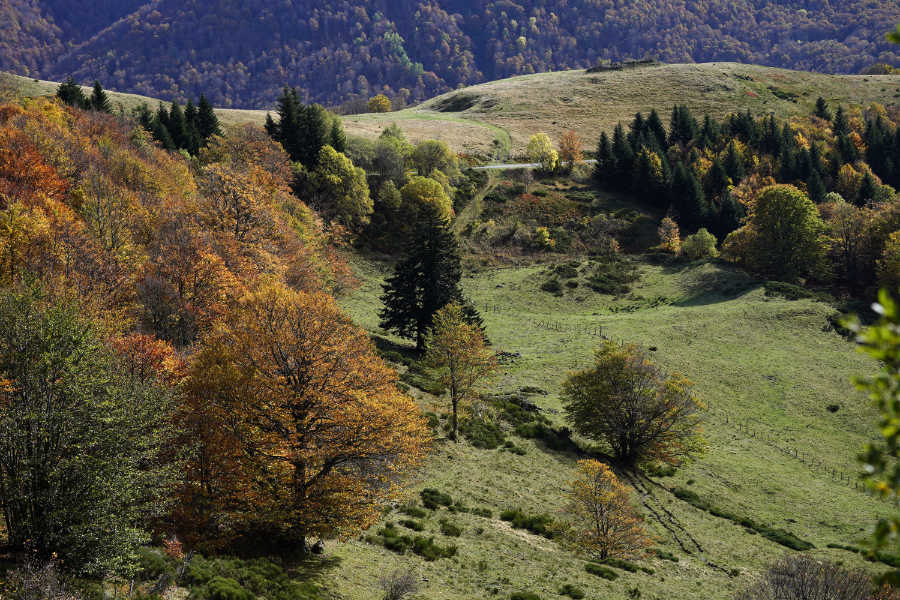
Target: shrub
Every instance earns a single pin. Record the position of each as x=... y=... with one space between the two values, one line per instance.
x=613 y=276
x=798 y=577
x=411 y=524
x=658 y=469
x=482 y=434
x=552 y=286
x=571 y=591
x=482 y=512
x=414 y=512
x=601 y=571
x=450 y=529
x=434 y=499
x=524 y=596
x=399 y=584
x=556 y=439
x=151 y=564
x=536 y=524
x=221 y=588
x=626 y=566
x=662 y=554
x=566 y=271
x=427 y=549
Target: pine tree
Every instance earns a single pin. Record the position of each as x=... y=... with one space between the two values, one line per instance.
x=734 y=164
x=338 y=139
x=684 y=126
x=424 y=281
x=207 y=121
x=822 y=110
x=99 y=100
x=731 y=213
x=606 y=162
x=815 y=187
x=688 y=199
x=161 y=132
x=867 y=189
x=191 y=131
x=840 y=126
x=70 y=93
x=656 y=128
x=716 y=180
x=314 y=133
x=177 y=127
x=623 y=155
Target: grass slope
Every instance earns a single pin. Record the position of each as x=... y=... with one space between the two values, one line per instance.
x=592 y=102
x=769 y=362
x=496 y=119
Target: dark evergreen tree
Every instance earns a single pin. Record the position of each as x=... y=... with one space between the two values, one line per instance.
x=847 y=151
x=161 y=132
x=190 y=124
x=734 y=164
x=207 y=121
x=867 y=189
x=144 y=116
x=314 y=132
x=99 y=99
x=338 y=139
x=840 y=126
x=815 y=187
x=623 y=155
x=70 y=93
x=731 y=214
x=657 y=130
x=710 y=133
x=636 y=132
x=716 y=180
x=688 y=199
x=683 y=127
x=177 y=127
x=606 y=162
x=424 y=281
x=822 y=110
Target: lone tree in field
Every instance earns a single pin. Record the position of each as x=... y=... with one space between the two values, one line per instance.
x=425 y=280
x=570 y=150
x=630 y=404
x=540 y=150
x=602 y=522
x=799 y=577
x=379 y=104
x=457 y=350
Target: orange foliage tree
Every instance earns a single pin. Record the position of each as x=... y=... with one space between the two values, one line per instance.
x=601 y=520
x=570 y=149
x=314 y=431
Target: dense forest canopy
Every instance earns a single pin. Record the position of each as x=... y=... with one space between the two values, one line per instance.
x=241 y=54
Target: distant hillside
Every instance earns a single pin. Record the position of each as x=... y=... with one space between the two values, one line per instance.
x=240 y=54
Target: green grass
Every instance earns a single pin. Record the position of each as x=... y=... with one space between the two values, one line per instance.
x=763 y=360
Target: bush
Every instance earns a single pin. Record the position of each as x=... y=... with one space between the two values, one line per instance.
x=524 y=596
x=556 y=439
x=601 y=571
x=567 y=271
x=662 y=554
x=411 y=524
x=571 y=591
x=427 y=549
x=658 y=469
x=450 y=529
x=221 y=588
x=613 y=276
x=700 y=245
x=536 y=524
x=483 y=512
x=434 y=499
x=414 y=512
x=626 y=566
x=552 y=286
x=152 y=564
x=482 y=434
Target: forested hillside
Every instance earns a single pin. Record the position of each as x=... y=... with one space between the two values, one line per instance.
x=241 y=54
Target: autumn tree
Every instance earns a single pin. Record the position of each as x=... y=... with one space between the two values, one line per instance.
x=322 y=434
x=80 y=440
x=570 y=149
x=889 y=263
x=601 y=521
x=425 y=280
x=379 y=104
x=457 y=351
x=628 y=403
x=669 y=237
x=423 y=195
x=540 y=150
x=700 y=245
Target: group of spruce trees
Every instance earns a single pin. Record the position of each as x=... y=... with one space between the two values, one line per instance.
x=70 y=93
x=177 y=129
x=656 y=165
x=303 y=129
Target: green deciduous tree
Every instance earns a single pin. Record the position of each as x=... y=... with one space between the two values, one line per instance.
x=80 y=443
x=339 y=189
x=422 y=193
x=700 y=245
x=458 y=352
x=629 y=404
x=540 y=150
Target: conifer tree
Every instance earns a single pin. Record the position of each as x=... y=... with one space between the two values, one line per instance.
x=688 y=199
x=623 y=156
x=207 y=121
x=716 y=180
x=338 y=139
x=425 y=280
x=816 y=187
x=656 y=128
x=190 y=124
x=867 y=189
x=99 y=100
x=70 y=93
x=606 y=162
x=177 y=127
x=730 y=216
x=734 y=164
x=822 y=110
x=840 y=126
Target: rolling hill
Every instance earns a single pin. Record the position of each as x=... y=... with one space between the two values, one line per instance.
x=240 y=54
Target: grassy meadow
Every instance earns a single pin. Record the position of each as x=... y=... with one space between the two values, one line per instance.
x=764 y=360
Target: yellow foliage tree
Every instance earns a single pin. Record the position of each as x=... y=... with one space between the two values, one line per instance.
x=602 y=522
x=379 y=104
x=540 y=150
x=889 y=263
x=458 y=352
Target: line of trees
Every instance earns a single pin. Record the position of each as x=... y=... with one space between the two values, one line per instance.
x=181 y=129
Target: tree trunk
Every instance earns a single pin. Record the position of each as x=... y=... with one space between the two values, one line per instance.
x=455 y=422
